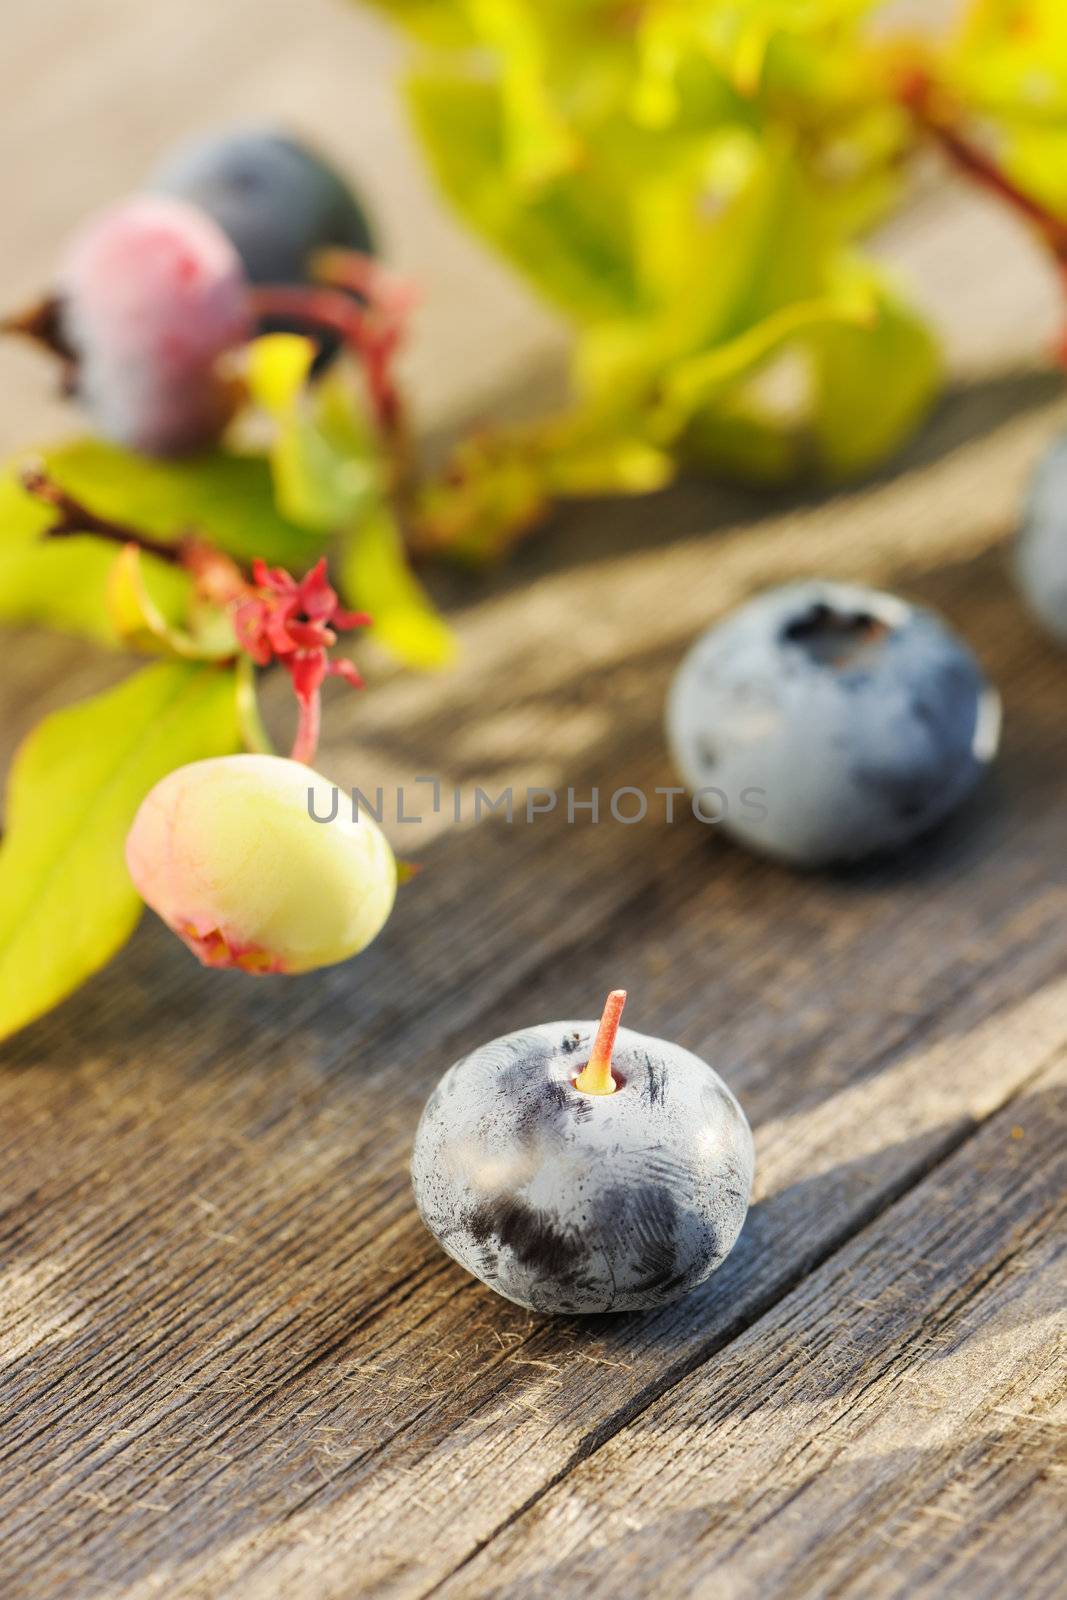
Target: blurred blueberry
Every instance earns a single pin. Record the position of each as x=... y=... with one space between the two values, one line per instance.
x=830 y=722
x=277 y=200
x=1041 y=551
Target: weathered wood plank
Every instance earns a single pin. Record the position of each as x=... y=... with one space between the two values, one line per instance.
x=897 y=1426
x=230 y=1361
x=227 y=1307
x=466 y=1460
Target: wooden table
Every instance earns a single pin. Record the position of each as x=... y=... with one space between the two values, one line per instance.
x=233 y=1364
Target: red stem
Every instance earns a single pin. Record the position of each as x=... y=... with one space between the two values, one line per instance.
x=307 y=733
x=330 y=310
x=363 y=275
x=918 y=94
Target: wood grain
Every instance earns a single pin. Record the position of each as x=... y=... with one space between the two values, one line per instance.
x=231 y=1362
x=894 y=1426
x=232 y=1343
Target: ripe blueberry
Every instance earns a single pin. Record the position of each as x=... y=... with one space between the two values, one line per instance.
x=1041 y=551
x=565 y=1196
x=276 y=200
x=831 y=721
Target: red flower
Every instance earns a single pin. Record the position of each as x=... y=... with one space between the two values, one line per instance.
x=279 y=618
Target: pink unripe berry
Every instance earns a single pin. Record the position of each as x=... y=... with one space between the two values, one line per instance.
x=152 y=295
x=230 y=856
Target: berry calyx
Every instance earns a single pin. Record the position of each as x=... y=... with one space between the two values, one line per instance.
x=596 y=1077
x=281 y=618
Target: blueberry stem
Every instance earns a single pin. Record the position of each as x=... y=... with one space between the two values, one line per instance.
x=595 y=1077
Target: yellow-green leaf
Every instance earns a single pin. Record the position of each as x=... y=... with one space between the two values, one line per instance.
x=375 y=576
x=431 y=21
x=702 y=379
x=325 y=459
x=63 y=583
x=565 y=233
x=738 y=441
x=874 y=384
x=66 y=901
x=603 y=465
x=250 y=725
x=139 y=623
x=227 y=497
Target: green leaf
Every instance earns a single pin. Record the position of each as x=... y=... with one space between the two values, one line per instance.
x=768 y=249
x=498 y=484
x=737 y=278
x=329 y=473
x=139 y=623
x=686 y=182
x=1008 y=58
x=66 y=901
x=63 y=583
x=698 y=382
x=375 y=576
x=538 y=143
x=736 y=441
x=430 y=21
x=874 y=383
x=493 y=490
x=1007 y=64
x=566 y=234
x=227 y=497
x=325 y=457
x=604 y=464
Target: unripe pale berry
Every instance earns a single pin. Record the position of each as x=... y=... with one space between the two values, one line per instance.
x=153 y=294
x=229 y=855
x=275 y=199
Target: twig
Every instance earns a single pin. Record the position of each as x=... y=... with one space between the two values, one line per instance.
x=918 y=93
x=75 y=519
x=43 y=323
